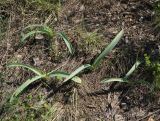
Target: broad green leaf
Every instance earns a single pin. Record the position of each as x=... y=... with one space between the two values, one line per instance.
x=35 y=70
x=134 y=67
x=77 y=71
x=64 y=75
x=108 y=49
x=113 y=80
x=24 y=85
x=67 y=42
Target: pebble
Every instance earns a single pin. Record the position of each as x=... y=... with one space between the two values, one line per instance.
x=82 y=8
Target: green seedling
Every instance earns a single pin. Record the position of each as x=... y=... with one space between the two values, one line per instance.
x=43 y=29
x=125 y=78
x=42 y=75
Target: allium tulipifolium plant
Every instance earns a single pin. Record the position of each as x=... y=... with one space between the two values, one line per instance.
x=41 y=75
x=43 y=29
x=47 y=75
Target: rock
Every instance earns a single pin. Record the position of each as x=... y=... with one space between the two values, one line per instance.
x=113 y=30
x=39 y=37
x=82 y=8
x=37 y=61
x=119 y=117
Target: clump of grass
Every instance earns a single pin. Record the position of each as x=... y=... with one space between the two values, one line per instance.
x=42 y=75
x=54 y=112
x=46 y=6
x=90 y=41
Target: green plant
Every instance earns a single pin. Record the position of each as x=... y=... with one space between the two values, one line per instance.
x=54 y=112
x=154 y=68
x=125 y=78
x=45 y=5
x=90 y=41
x=3 y=2
x=43 y=29
x=97 y=61
x=47 y=75
x=108 y=49
x=77 y=71
x=37 y=29
x=67 y=42
x=41 y=75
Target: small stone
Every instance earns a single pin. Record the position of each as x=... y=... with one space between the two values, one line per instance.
x=19 y=56
x=125 y=6
x=141 y=18
x=37 y=61
x=141 y=113
x=82 y=8
x=151 y=119
x=134 y=27
x=77 y=21
x=1 y=69
x=124 y=106
x=55 y=19
x=126 y=40
x=39 y=37
x=113 y=30
x=119 y=117
x=8 y=45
